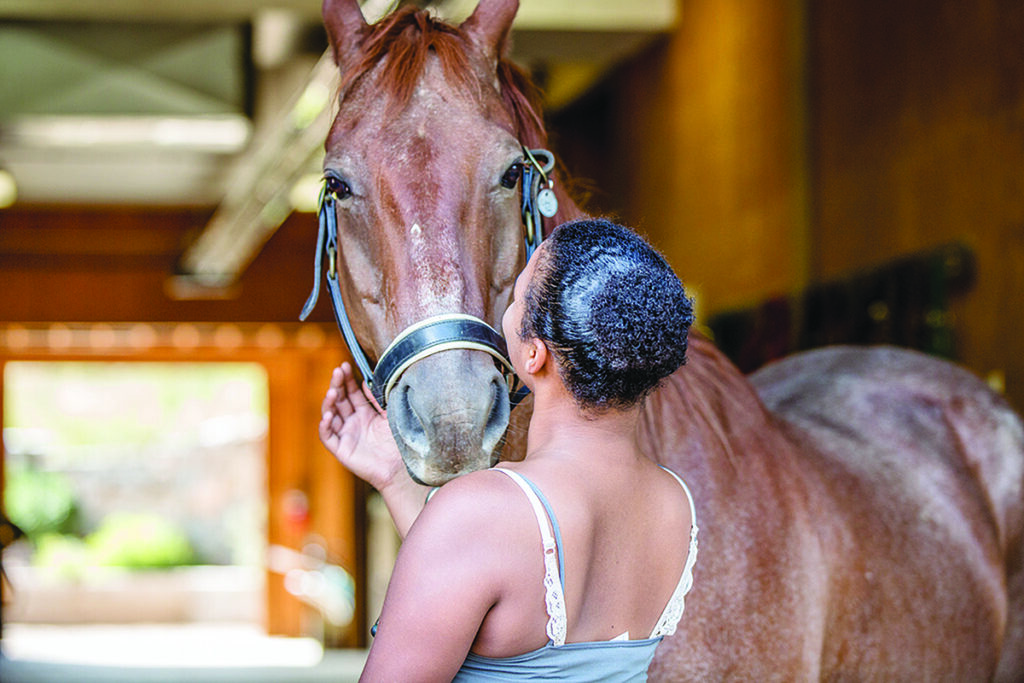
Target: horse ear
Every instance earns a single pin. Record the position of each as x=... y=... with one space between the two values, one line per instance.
x=344 y=20
x=490 y=24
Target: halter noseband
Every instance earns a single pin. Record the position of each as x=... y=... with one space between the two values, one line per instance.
x=441 y=332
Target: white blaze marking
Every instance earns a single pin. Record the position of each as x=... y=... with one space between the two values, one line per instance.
x=433 y=296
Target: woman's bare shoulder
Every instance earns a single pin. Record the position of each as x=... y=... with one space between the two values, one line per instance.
x=478 y=501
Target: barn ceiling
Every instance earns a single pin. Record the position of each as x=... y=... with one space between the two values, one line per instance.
x=187 y=102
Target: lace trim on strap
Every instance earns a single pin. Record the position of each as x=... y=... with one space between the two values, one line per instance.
x=673 y=612
x=554 y=598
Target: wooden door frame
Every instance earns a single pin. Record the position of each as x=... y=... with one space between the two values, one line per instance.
x=298 y=360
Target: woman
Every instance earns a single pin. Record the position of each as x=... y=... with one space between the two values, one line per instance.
x=573 y=563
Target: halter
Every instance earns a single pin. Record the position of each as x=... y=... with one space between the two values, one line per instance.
x=441 y=332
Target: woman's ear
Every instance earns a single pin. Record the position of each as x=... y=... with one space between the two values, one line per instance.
x=536 y=356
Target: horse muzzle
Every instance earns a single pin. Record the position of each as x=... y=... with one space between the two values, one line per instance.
x=448 y=413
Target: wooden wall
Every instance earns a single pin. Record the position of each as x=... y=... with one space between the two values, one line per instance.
x=111 y=264
x=770 y=147
x=918 y=139
x=710 y=149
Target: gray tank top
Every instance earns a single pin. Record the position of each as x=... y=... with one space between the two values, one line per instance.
x=610 y=660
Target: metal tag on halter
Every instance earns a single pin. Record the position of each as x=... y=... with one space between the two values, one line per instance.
x=547 y=202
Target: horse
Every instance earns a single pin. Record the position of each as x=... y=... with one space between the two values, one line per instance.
x=861 y=509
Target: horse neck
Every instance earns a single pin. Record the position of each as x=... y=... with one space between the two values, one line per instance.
x=707 y=409
x=707 y=415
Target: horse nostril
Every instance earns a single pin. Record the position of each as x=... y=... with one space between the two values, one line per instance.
x=408 y=423
x=497 y=418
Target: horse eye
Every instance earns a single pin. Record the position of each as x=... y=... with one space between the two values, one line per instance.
x=511 y=176
x=338 y=187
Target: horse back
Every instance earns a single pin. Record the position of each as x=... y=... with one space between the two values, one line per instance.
x=934 y=461
x=861 y=513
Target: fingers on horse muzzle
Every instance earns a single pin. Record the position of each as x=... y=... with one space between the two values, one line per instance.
x=448 y=413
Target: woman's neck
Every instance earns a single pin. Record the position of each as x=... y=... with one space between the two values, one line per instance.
x=560 y=426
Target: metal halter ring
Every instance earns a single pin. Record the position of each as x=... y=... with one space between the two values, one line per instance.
x=537 y=201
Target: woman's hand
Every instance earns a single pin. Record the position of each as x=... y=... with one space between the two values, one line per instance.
x=356 y=431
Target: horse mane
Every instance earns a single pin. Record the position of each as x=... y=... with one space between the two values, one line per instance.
x=409 y=35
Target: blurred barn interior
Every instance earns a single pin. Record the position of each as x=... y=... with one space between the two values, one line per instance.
x=816 y=172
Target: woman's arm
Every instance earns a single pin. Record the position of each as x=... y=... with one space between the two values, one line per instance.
x=355 y=430
x=450 y=572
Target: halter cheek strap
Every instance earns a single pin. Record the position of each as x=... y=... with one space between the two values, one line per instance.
x=327 y=243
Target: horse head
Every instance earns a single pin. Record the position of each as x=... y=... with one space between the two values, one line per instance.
x=423 y=164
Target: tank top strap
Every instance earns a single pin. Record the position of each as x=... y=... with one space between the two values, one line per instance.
x=554 y=561
x=673 y=611
x=686 y=490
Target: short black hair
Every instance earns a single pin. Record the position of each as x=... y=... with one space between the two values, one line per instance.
x=611 y=311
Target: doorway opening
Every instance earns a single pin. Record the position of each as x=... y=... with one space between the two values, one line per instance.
x=141 y=489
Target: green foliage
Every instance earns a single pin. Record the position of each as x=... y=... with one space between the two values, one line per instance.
x=139 y=541
x=65 y=556
x=39 y=502
x=124 y=539
x=87 y=418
